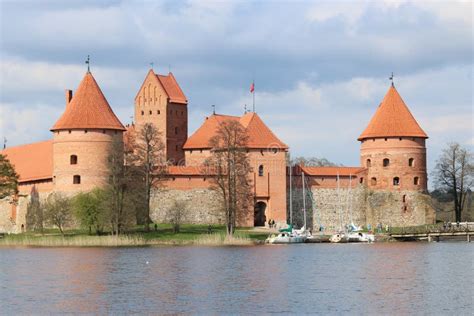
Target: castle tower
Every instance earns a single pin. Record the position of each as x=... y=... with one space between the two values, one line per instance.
x=82 y=138
x=161 y=101
x=393 y=148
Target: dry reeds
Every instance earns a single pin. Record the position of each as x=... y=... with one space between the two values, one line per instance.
x=223 y=240
x=74 y=241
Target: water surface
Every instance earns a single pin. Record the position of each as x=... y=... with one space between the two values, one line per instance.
x=394 y=278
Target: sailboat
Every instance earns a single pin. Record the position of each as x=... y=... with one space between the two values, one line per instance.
x=351 y=233
x=289 y=235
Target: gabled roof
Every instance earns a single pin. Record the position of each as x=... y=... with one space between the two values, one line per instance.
x=260 y=136
x=330 y=171
x=88 y=109
x=32 y=161
x=172 y=88
x=392 y=119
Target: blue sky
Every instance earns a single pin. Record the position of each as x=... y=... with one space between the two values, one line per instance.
x=320 y=67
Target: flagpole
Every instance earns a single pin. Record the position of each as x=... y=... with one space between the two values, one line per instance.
x=253 y=93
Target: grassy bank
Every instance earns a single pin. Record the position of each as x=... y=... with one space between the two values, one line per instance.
x=164 y=235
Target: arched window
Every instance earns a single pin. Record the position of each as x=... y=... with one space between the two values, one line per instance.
x=386 y=162
x=154 y=94
x=150 y=112
x=369 y=163
x=361 y=180
x=373 y=181
x=396 y=181
x=76 y=179
x=411 y=162
x=158 y=112
x=144 y=95
x=139 y=101
x=143 y=113
x=260 y=171
x=416 y=181
x=176 y=131
x=149 y=91
x=73 y=160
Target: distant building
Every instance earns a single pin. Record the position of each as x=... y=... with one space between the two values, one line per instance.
x=388 y=187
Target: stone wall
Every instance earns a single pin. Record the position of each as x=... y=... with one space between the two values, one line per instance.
x=364 y=207
x=404 y=208
x=203 y=206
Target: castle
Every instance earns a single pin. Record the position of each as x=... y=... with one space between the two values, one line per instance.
x=389 y=187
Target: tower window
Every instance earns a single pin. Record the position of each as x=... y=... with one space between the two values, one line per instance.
x=410 y=162
x=385 y=139
x=361 y=180
x=404 y=198
x=373 y=181
x=386 y=162
x=143 y=113
x=176 y=147
x=369 y=163
x=396 y=181
x=158 y=112
x=150 y=112
x=176 y=131
x=260 y=171
x=69 y=131
x=416 y=181
x=73 y=160
x=76 y=179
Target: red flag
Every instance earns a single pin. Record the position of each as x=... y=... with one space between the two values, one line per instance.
x=252 y=87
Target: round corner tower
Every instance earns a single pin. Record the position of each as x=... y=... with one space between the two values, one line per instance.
x=393 y=148
x=82 y=139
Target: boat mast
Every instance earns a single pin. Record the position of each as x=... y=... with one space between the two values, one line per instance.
x=350 y=199
x=339 y=202
x=304 y=200
x=291 y=190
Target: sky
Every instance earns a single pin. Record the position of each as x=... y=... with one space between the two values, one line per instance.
x=320 y=68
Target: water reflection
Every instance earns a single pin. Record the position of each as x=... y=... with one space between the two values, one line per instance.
x=401 y=278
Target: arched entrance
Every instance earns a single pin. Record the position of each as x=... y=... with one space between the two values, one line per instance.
x=259 y=218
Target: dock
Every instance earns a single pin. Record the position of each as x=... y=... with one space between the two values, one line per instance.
x=453 y=231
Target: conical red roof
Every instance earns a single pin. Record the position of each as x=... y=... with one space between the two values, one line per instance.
x=88 y=109
x=392 y=119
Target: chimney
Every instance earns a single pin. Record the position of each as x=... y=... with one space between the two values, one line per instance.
x=68 y=96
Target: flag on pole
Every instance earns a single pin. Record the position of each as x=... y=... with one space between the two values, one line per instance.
x=252 y=87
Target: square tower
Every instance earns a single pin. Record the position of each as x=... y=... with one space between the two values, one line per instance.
x=161 y=101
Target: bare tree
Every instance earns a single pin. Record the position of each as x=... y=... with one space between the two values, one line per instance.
x=454 y=174
x=176 y=214
x=8 y=178
x=230 y=164
x=34 y=212
x=148 y=160
x=58 y=211
x=312 y=162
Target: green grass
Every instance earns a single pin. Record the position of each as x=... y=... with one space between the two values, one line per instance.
x=164 y=235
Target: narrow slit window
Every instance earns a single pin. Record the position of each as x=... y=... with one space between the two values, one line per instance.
x=260 y=171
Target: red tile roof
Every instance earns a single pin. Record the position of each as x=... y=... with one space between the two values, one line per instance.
x=392 y=119
x=172 y=88
x=32 y=161
x=189 y=170
x=331 y=171
x=88 y=109
x=260 y=136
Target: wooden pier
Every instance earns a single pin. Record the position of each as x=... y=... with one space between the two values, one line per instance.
x=453 y=231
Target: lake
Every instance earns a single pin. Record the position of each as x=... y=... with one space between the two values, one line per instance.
x=381 y=278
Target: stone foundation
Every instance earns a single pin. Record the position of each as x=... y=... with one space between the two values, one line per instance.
x=202 y=206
